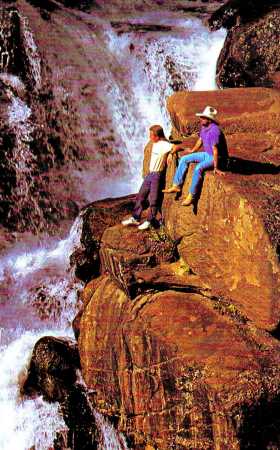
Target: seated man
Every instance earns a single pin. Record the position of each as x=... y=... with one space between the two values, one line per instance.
x=214 y=145
x=151 y=185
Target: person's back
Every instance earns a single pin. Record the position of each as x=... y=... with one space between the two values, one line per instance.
x=211 y=136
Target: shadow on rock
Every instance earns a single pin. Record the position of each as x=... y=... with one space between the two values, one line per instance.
x=260 y=425
x=248 y=167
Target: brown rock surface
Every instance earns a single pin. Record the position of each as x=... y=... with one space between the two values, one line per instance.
x=126 y=250
x=96 y=218
x=231 y=239
x=180 y=370
x=186 y=364
x=250 y=55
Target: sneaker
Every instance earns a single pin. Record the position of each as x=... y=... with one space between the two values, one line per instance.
x=145 y=225
x=130 y=221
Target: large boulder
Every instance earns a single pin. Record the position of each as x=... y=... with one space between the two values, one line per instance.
x=96 y=217
x=231 y=238
x=250 y=55
x=126 y=251
x=180 y=370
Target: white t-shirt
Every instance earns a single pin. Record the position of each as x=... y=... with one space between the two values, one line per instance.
x=158 y=155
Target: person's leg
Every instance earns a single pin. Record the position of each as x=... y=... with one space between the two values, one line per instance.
x=206 y=163
x=184 y=164
x=141 y=197
x=154 y=197
x=181 y=170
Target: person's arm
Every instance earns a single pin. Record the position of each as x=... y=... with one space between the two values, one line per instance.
x=185 y=146
x=197 y=145
x=216 y=158
x=182 y=146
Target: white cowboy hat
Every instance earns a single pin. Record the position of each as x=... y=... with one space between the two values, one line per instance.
x=209 y=112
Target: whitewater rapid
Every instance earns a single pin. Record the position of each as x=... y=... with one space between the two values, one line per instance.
x=39 y=293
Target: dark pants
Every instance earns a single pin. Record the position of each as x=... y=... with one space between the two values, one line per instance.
x=150 y=188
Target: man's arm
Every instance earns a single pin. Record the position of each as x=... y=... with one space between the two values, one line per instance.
x=184 y=147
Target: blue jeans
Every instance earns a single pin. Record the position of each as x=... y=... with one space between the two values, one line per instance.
x=205 y=162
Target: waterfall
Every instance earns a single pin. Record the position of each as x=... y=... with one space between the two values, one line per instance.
x=22 y=419
x=23 y=272
x=38 y=292
x=38 y=287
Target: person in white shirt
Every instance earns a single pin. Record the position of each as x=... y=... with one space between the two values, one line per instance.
x=151 y=185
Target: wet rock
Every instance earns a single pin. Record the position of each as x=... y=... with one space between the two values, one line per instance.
x=179 y=369
x=9 y=40
x=35 y=134
x=53 y=373
x=230 y=237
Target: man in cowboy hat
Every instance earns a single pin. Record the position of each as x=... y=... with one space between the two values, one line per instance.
x=213 y=141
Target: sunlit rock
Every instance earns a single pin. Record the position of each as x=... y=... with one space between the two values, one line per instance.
x=178 y=369
x=231 y=238
x=126 y=251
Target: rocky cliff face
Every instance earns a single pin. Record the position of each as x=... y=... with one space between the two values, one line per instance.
x=250 y=54
x=179 y=370
x=188 y=362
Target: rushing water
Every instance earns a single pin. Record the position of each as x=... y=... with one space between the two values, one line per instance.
x=38 y=294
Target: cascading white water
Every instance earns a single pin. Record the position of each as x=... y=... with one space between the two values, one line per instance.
x=21 y=271
x=40 y=279
x=38 y=294
x=22 y=419
x=23 y=159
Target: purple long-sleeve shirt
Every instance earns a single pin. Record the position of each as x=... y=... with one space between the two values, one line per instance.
x=210 y=136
